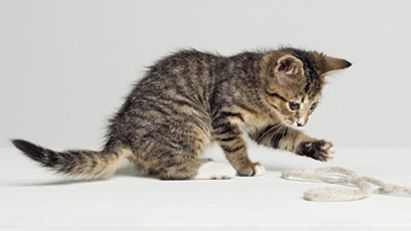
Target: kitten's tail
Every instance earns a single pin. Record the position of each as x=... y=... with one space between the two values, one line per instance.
x=83 y=163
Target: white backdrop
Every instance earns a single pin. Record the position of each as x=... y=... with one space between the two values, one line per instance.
x=65 y=65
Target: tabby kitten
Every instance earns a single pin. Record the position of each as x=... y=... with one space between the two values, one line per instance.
x=192 y=98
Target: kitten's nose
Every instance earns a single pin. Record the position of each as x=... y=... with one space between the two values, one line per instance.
x=301 y=122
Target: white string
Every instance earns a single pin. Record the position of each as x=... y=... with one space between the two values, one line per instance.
x=360 y=186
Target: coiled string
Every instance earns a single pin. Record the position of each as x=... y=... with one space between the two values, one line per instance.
x=360 y=186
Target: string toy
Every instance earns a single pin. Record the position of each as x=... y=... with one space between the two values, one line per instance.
x=360 y=187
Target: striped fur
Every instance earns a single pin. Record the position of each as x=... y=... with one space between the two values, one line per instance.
x=85 y=163
x=191 y=98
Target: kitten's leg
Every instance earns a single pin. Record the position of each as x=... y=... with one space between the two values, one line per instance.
x=229 y=137
x=175 y=154
x=181 y=165
x=285 y=138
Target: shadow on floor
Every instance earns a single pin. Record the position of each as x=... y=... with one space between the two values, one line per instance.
x=280 y=168
x=126 y=170
x=123 y=171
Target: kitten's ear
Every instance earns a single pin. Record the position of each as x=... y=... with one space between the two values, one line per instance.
x=288 y=70
x=329 y=64
x=285 y=69
x=288 y=66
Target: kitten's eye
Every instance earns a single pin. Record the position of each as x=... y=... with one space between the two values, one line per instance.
x=293 y=106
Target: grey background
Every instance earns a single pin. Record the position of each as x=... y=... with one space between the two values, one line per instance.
x=65 y=65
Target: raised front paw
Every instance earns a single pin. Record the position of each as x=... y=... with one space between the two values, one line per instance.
x=319 y=149
x=253 y=169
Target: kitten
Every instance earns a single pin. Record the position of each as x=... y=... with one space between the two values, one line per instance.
x=191 y=98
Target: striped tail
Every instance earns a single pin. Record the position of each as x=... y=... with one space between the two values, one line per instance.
x=83 y=163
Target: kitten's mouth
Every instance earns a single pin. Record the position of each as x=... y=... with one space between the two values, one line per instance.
x=289 y=123
x=293 y=124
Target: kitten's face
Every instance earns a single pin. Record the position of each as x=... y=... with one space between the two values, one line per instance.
x=293 y=111
x=293 y=80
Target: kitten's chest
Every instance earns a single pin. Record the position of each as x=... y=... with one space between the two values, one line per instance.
x=255 y=120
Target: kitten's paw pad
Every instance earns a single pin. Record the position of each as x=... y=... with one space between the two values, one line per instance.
x=215 y=171
x=254 y=169
x=319 y=150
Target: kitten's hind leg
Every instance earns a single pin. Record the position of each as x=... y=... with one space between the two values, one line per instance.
x=175 y=154
x=168 y=162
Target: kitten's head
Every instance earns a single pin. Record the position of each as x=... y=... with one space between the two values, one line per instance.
x=293 y=80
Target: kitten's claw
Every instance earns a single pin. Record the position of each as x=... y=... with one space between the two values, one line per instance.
x=254 y=169
x=205 y=160
x=320 y=150
x=259 y=170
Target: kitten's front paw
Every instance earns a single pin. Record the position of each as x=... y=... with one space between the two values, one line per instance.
x=254 y=169
x=320 y=150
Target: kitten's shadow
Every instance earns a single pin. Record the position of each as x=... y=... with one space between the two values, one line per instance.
x=279 y=168
x=126 y=170
x=123 y=171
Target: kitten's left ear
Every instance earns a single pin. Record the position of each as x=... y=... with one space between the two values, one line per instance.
x=329 y=64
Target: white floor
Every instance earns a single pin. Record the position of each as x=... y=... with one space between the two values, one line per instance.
x=32 y=198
